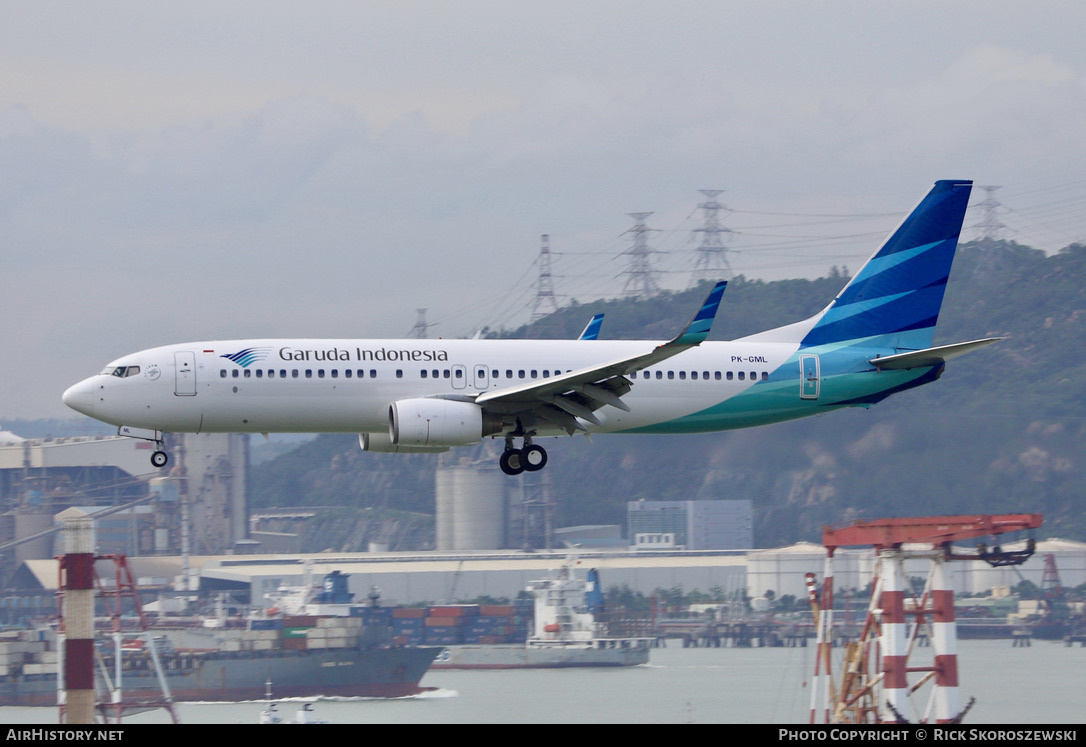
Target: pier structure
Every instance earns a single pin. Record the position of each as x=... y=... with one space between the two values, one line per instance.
x=877 y=682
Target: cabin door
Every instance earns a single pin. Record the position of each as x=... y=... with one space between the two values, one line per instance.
x=459 y=376
x=809 y=375
x=481 y=378
x=185 y=377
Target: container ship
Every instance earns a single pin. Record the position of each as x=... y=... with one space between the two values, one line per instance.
x=345 y=650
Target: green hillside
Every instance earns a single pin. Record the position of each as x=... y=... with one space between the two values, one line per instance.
x=1002 y=431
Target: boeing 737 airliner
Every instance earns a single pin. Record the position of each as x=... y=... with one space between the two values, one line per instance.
x=411 y=396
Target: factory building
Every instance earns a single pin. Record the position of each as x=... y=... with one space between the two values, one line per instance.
x=194 y=519
x=198 y=505
x=412 y=578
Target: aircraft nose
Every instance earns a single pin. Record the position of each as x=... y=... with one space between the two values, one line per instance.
x=80 y=397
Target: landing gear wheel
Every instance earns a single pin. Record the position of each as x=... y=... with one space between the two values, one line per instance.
x=533 y=457
x=159 y=459
x=511 y=462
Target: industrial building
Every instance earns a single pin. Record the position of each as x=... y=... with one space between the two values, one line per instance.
x=199 y=506
x=691 y=525
x=189 y=529
x=782 y=570
x=412 y=578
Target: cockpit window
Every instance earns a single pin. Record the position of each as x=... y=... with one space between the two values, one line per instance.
x=121 y=371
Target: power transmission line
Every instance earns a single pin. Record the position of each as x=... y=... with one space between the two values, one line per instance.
x=640 y=276
x=712 y=262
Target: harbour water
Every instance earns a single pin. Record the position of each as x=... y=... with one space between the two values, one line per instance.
x=1042 y=684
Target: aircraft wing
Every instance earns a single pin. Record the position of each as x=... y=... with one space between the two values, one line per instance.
x=577 y=394
x=930 y=356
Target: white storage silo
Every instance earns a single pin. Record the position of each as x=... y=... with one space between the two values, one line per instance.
x=470 y=509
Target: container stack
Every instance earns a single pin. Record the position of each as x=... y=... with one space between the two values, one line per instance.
x=454 y=624
x=408 y=625
x=26 y=656
x=500 y=623
x=373 y=615
x=444 y=625
x=308 y=632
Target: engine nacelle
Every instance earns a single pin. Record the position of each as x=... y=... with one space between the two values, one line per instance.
x=439 y=422
x=382 y=443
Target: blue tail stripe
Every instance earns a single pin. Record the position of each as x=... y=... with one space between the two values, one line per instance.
x=840 y=313
x=883 y=262
x=911 y=311
x=917 y=272
x=937 y=218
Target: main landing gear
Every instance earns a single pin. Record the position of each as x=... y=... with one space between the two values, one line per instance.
x=159 y=458
x=531 y=458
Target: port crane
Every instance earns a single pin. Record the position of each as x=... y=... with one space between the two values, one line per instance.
x=877 y=683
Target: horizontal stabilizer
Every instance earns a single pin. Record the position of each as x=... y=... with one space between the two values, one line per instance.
x=930 y=356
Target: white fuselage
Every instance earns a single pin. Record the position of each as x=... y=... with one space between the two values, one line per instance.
x=309 y=386
x=873 y=340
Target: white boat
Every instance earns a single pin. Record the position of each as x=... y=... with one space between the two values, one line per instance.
x=565 y=632
x=270 y=714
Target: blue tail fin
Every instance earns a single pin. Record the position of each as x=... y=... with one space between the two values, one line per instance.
x=896 y=295
x=592 y=330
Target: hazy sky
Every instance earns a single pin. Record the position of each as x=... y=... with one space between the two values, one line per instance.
x=187 y=171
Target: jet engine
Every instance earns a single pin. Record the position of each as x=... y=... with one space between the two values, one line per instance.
x=382 y=443
x=439 y=422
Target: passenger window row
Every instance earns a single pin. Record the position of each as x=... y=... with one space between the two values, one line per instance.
x=522 y=373
x=308 y=373
x=705 y=375
x=458 y=373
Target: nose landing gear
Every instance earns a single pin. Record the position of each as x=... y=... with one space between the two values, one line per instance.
x=159 y=457
x=513 y=461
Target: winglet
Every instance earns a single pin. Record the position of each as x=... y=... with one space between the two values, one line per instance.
x=698 y=328
x=592 y=331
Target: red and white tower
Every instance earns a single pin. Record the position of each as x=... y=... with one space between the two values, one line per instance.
x=77 y=586
x=892 y=638
x=877 y=682
x=944 y=642
x=76 y=681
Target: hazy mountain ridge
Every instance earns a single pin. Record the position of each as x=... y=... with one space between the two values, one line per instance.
x=1002 y=431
